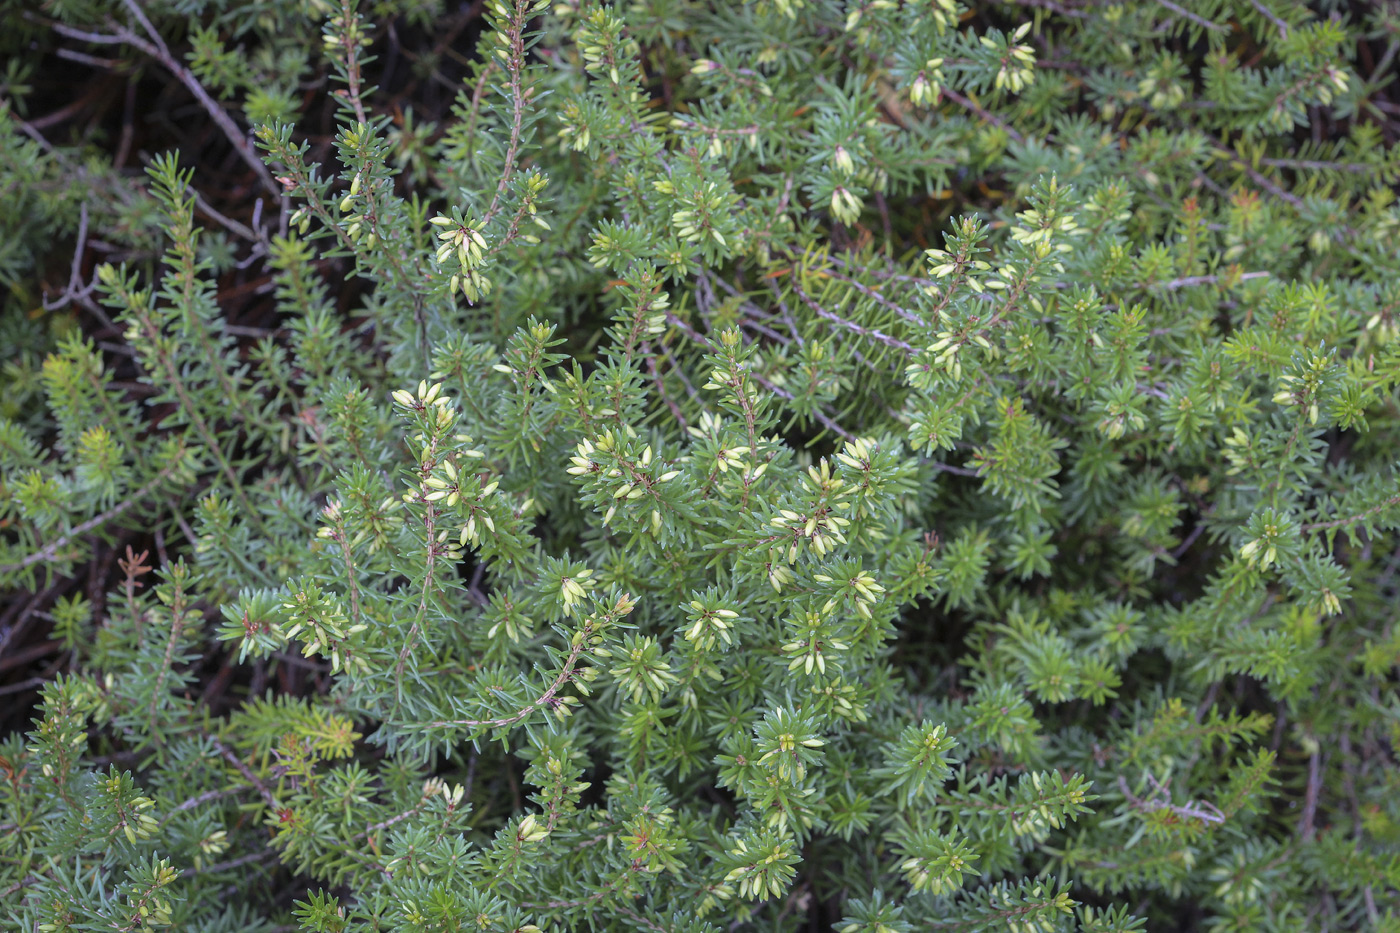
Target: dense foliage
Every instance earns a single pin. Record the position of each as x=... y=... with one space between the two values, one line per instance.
x=674 y=466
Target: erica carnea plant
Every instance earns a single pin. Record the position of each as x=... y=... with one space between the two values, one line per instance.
x=877 y=466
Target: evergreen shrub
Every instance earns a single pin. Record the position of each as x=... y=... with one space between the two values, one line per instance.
x=870 y=465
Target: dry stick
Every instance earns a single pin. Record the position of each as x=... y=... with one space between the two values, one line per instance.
x=1306 y=829
x=1190 y=280
x=20 y=885
x=1054 y=7
x=871 y=333
x=869 y=292
x=825 y=420
x=397 y=818
x=474 y=592
x=1190 y=539
x=1319 y=165
x=22 y=686
x=1205 y=812
x=982 y=112
x=689 y=388
x=786 y=312
x=661 y=387
x=1240 y=162
x=158 y=50
x=443 y=46
x=29 y=655
x=228 y=223
x=565 y=675
x=1349 y=784
x=185 y=528
x=128 y=126
x=60 y=115
x=51 y=551
x=1184 y=14
x=118 y=192
x=247 y=773
x=867 y=332
x=1262 y=181
x=1269 y=15
x=756 y=323
x=1322 y=526
x=92 y=61
x=649 y=924
x=193 y=802
x=75 y=285
x=217 y=112
x=882 y=274
x=232 y=863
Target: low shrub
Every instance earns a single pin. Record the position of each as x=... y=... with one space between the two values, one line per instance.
x=670 y=466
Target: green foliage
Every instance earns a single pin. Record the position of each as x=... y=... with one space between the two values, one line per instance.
x=778 y=465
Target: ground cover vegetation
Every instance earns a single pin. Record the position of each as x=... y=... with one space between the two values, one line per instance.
x=870 y=465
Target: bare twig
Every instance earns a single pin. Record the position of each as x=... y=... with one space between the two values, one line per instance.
x=1204 y=811
x=661 y=388
x=193 y=802
x=260 y=856
x=228 y=223
x=247 y=773
x=1305 y=824
x=649 y=924
x=949 y=468
x=564 y=676
x=23 y=685
x=75 y=288
x=50 y=551
x=156 y=48
x=867 y=291
x=20 y=885
x=1269 y=15
x=982 y=112
x=870 y=333
x=1186 y=14
x=82 y=58
x=825 y=420
x=1185 y=545
x=1191 y=280
x=1352 y=519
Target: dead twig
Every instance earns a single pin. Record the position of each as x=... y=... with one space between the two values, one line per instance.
x=155 y=47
